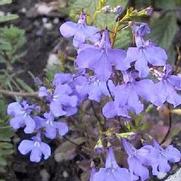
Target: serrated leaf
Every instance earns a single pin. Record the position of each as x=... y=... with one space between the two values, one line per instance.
x=7 y=18
x=90 y=6
x=105 y=20
x=123 y=39
x=14 y=36
x=3 y=2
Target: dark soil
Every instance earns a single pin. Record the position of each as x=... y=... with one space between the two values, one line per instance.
x=40 y=41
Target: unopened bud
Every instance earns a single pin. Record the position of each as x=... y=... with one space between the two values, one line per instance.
x=106 y=9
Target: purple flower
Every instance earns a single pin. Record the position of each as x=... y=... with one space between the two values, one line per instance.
x=136 y=160
x=160 y=158
x=102 y=57
x=63 y=102
x=53 y=128
x=80 y=31
x=62 y=78
x=167 y=88
x=36 y=147
x=43 y=92
x=94 y=88
x=21 y=114
x=141 y=30
x=145 y=53
x=112 y=172
x=127 y=96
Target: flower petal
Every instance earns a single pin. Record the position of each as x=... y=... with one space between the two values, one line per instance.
x=68 y=29
x=14 y=109
x=25 y=146
x=36 y=154
x=62 y=128
x=30 y=125
x=45 y=149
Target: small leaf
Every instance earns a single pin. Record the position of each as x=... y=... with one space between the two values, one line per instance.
x=3 y=162
x=123 y=39
x=24 y=85
x=176 y=111
x=3 y=2
x=125 y=135
x=9 y=17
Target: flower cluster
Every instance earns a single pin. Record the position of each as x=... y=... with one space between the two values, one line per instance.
x=122 y=79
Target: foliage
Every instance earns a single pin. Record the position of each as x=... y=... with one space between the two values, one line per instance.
x=12 y=39
x=8 y=17
x=164 y=33
x=6 y=148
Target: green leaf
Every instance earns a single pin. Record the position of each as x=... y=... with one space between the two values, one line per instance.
x=123 y=39
x=105 y=20
x=77 y=5
x=3 y=2
x=165 y=4
x=163 y=33
x=90 y=7
x=14 y=36
x=2 y=108
x=5 y=46
x=3 y=162
x=24 y=85
x=7 y=18
x=5 y=133
x=114 y=3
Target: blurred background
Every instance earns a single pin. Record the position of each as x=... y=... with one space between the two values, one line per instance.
x=32 y=50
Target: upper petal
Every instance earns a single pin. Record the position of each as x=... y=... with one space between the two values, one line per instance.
x=56 y=109
x=30 y=124
x=141 y=64
x=14 y=109
x=137 y=168
x=87 y=57
x=175 y=81
x=155 y=55
x=172 y=154
x=132 y=54
x=117 y=58
x=103 y=68
x=68 y=29
x=62 y=128
x=25 y=146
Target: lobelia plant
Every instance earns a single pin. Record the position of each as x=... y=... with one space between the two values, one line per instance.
x=119 y=81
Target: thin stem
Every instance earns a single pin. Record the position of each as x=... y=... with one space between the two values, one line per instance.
x=21 y=94
x=169 y=126
x=77 y=145
x=107 y=85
